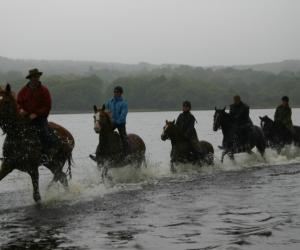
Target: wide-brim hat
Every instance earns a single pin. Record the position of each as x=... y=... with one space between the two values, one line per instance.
x=33 y=72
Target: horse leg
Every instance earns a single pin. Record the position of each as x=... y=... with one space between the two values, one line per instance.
x=5 y=170
x=209 y=159
x=223 y=155
x=231 y=156
x=34 y=174
x=104 y=172
x=143 y=161
x=59 y=175
x=173 y=170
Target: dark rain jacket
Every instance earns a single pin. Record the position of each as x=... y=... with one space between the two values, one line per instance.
x=283 y=115
x=186 y=122
x=37 y=101
x=240 y=114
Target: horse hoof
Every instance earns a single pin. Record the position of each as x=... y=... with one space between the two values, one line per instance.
x=37 y=199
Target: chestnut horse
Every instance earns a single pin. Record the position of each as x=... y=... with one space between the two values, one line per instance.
x=22 y=148
x=110 y=148
x=181 y=149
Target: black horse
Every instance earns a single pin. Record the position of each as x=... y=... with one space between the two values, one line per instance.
x=22 y=148
x=181 y=149
x=233 y=142
x=277 y=135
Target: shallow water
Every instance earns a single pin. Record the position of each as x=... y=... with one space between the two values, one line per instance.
x=246 y=204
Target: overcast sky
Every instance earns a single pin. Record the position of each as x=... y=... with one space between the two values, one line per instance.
x=197 y=32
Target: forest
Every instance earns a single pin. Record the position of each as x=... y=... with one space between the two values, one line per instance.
x=165 y=87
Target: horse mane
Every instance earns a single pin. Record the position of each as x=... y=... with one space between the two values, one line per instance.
x=265 y=118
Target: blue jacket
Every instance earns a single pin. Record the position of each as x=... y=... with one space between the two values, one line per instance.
x=119 y=109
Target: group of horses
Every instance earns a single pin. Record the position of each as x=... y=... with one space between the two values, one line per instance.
x=22 y=147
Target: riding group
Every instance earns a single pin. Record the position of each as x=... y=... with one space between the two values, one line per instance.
x=32 y=141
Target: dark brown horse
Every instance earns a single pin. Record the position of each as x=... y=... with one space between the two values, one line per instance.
x=110 y=148
x=22 y=148
x=181 y=149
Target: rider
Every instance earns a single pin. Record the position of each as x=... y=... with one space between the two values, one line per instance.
x=119 y=109
x=239 y=111
x=283 y=115
x=34 y=101
x=186 y=122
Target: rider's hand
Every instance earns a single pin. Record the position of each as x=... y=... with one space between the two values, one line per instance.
x=32 y=116
x=22 y=112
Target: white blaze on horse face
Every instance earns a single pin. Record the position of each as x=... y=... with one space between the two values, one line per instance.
x=97 y=122
x=1 y=97
x=164 y=129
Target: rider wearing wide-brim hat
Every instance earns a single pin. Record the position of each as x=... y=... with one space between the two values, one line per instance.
x=34 y=101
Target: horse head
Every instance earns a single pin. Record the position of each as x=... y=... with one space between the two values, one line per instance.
x=168 y=130
x=267 y=124
x=218 y=118
x=8 y=103
x=102 y=119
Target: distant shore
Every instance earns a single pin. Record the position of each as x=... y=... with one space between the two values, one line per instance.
x=55 y=112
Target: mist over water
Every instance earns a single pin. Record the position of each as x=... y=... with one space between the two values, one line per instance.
x=247 y=204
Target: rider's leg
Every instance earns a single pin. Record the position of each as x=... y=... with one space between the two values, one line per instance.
x=41 y=124
x=123 y=135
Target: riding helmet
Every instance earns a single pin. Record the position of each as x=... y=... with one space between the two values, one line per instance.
x=118 y=89
x=187 y=104
x=285 y=99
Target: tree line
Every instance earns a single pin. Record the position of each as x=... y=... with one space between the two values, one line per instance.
x=164 y=88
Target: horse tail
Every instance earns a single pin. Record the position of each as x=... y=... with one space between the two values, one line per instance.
x=70 y=164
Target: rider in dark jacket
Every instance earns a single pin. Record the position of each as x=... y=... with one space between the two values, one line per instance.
x=283 y=113
x=186 y=122
x=239 y=111
x=283 y=116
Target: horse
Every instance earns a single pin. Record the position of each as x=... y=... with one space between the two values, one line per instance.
x=277 y=135
x=110 y=152
x=22 y=147
x=232 y=141
x=181 y=149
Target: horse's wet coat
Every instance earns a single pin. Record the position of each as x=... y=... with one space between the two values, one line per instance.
x=22 y=148
x=110 y=148
x=181 y=148
x=232 y=144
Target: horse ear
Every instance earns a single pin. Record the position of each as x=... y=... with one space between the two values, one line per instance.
x=103 y=107
x=95 y=108
x=167 y=122
x=224 y=108
x=215 y=108
x=260 y=117
x=8 y=88
x=173 y=121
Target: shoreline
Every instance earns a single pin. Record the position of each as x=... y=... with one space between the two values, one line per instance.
x=73 y=112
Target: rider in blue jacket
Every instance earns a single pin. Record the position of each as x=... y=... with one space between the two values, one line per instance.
x=119 y=109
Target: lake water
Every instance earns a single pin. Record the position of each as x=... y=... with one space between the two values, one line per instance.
x=246 y=204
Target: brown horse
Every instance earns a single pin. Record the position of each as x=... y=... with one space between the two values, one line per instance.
x=110 y=148
x=22 y=148
x=181 y=150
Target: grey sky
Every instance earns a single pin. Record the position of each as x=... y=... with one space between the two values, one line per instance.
x=198 y=32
